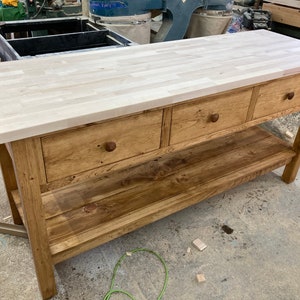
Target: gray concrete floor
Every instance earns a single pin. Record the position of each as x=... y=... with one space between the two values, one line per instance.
x=260 y=259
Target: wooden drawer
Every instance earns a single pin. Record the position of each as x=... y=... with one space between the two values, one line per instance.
x=277 y=96
x=86 y=148
x=209 y=115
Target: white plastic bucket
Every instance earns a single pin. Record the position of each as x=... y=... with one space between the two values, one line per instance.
x=208 y=22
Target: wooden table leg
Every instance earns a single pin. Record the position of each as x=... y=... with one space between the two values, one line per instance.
x=9 y=181
x=291 y=169
x=26 y=169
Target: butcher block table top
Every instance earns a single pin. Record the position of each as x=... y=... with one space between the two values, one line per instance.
x=61 y=91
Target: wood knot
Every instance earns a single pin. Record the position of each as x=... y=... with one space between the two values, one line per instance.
x=90 y=207
x=181 y=179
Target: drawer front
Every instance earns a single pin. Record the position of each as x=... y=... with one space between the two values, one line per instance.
x=209 y=115
x=85 y=148
x=277 y=96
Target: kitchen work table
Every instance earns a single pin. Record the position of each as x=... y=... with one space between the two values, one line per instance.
x=96 y=144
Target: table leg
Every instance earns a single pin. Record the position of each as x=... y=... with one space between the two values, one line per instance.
x=26 y=169
x=291 y=169
x=9 y=181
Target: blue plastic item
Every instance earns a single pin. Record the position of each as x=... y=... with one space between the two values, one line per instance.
x=176 y=13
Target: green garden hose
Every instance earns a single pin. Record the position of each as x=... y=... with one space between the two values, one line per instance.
x=114 y=291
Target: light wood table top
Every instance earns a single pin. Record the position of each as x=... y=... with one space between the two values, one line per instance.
x=47 y=94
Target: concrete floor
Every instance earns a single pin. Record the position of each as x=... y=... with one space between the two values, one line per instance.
x=260 y=259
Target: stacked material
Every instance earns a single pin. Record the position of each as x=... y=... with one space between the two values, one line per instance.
x=284 y=11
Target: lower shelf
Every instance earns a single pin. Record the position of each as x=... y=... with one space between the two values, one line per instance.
x=85 y=215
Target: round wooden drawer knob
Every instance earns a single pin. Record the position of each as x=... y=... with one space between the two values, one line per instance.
x=214 y=117
x=290 y=95
x=110 y=146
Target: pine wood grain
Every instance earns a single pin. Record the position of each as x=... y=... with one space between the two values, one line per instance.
x=133 y=161
x=10 y=182
x=87 y=214
x=166 y=127
x=273 y=96
x=28 y=176
x=194 y=118
x=291 y=170
x=17 y=200
x=70 y=152
x=63 y=203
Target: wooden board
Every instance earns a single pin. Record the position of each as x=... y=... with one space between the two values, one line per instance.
x=10 y=182
x=27 y=172
x=208 y=115
x=282 y=14
x=82 y=216
x=290 y=3
x=277 y=96
x=58 y=92
x=75 y=151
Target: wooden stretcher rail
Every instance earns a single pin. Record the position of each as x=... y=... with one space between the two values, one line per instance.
x=13 y=229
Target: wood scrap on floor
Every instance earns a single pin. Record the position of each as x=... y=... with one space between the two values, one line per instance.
x=199 y=244
x=200 y=278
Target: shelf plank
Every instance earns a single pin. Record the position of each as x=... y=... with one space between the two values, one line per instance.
x=82 y=216
x=283 y=14
x=290 y=3
x=60 y=201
